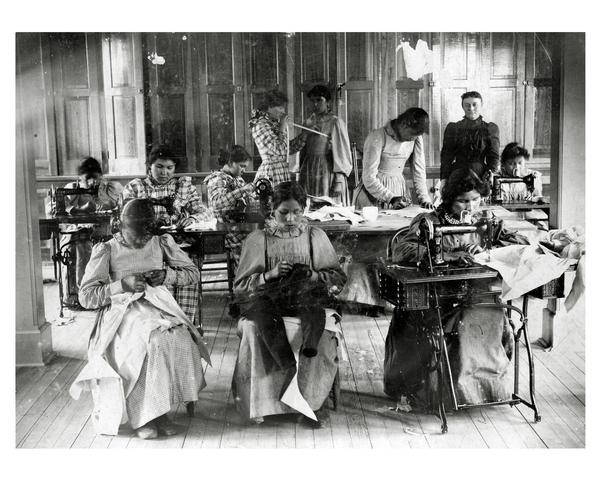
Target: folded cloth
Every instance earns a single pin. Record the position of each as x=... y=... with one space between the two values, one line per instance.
x=524 y=267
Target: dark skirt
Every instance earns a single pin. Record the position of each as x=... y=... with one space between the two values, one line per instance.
x=480 y=345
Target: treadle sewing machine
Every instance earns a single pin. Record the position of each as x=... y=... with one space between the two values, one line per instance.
x=100 y=222
x=517 y=205
x=433 y=281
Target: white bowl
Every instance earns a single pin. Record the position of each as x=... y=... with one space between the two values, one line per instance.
x=370 y=213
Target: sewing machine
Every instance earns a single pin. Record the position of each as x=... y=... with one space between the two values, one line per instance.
x=432 y=235
x=435 y=283
x=57 y=197
x=263 y=188
x=497 y=182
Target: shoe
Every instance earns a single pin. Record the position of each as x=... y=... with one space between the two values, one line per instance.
x=147 y=432
x=165 y=426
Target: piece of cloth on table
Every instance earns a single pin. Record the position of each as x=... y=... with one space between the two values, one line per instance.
x=523 y=267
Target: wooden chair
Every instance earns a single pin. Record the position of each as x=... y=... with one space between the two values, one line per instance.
x=394 y=240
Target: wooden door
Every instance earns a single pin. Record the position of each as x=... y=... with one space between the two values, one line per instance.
x=75 y=80
x=503 y=76
x=169 y=97
x=492 y=64
x=359 y=102
x=220 y=93
x=124 y=102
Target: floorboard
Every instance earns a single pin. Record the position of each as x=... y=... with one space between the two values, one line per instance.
x=47 y=417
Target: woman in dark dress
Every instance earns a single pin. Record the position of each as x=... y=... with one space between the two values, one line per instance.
x=470 y=143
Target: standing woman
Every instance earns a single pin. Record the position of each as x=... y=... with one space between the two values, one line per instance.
x=326 y=161
x=229 y=194
x=142 y=359
x=269 y=127
x=386 y=152
x=176 y=202
x=470 y=143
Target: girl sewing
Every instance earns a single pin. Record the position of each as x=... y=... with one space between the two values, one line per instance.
x=176 y=202
x=79 y=244
x=229 y=195
x=142 y=359
x=480 y=341
x=514 y=164
x=288 y=270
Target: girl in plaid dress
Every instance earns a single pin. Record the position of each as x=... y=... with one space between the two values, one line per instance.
x=269 y=127
x=142 y=359
x=229 y=194
x=176 y=202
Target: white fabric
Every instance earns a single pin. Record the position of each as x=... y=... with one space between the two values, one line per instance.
x=106 y=385
x=523 y=267
x=292 y=396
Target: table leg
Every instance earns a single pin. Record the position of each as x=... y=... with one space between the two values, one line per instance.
x=546 y=341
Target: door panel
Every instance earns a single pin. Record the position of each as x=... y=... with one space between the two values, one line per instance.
x=169 y=97
x=76 y=98
x=124 y=102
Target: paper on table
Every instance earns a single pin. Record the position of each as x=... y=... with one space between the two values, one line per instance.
x=523 y=267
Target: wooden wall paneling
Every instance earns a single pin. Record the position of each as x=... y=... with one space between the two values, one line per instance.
x=542 y=97
x=360 y=85
x=315 y=64
x=414 y=93
x=219 y=90
x=529 y=92
x=169 y=96
x=76 y=86
x=124 y=102
x=34 y=76
x=503 y=56
x=268 y=58
x=454 y=52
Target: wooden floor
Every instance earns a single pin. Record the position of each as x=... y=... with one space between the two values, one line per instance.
x=48 y=417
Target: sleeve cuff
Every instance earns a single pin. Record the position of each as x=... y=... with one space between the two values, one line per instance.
x=116 y=288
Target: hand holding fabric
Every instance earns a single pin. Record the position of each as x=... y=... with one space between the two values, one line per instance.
x=133 y=283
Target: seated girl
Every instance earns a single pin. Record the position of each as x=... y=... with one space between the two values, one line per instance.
x=480 y=341
x=176 y=202
x=514 y=164
x=142 y=358
x=288 y=270
x=229 y=194
x=90 y=176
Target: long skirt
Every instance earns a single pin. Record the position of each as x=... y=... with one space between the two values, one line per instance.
x=480 y=346
x=258 y=388
x=317 y=177
x=170 y=372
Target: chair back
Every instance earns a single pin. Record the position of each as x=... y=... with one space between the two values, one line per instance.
x=394 y=240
